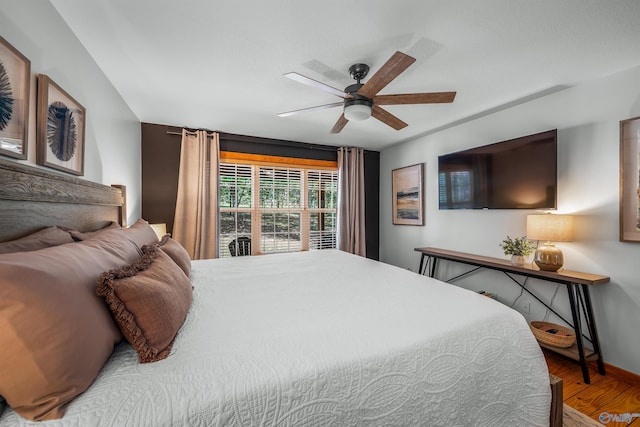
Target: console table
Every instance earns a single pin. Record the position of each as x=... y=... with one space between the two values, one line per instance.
x=577 y=286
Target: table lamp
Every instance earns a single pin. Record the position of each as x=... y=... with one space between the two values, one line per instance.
x=549 y=228
x=160 y=229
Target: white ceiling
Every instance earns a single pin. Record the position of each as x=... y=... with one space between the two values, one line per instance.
x=219 y=64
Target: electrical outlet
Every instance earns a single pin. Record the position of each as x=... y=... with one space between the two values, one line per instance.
x=526 y=307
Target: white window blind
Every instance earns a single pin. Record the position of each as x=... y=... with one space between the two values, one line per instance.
x=280 y=188
x=322 y=204
x=236 y=201
x=282 y=209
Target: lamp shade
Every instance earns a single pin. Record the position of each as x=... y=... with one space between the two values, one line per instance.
x=551 y=228
x=160 y=229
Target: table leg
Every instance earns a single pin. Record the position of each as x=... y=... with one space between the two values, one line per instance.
x=591 y=323
x=432 y=272
x=578 y=329
x=421 y=265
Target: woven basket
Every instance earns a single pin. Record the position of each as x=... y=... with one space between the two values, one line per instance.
x=564 y=337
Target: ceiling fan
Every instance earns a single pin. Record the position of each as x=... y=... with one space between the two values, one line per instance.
x=361 y=100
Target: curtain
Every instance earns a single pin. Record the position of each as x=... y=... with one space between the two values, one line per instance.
x=196 y=221
x=351 y=236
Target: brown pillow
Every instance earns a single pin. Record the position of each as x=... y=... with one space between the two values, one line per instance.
x=79 y=236
x=149 y=300
x=55 y=333
x=141 y=233
x=177 y=253
x=45 y=238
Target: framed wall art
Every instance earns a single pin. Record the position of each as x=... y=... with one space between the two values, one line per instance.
x=408 y=197
x=630 y=180
x=60 y=128
x=15 y=79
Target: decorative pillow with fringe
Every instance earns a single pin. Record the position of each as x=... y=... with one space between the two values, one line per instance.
x=177 y=253
x=149 y=300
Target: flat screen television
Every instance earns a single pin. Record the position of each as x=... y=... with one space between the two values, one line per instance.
x=520 y=173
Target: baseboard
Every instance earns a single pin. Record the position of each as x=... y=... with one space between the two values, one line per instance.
x=619 y=373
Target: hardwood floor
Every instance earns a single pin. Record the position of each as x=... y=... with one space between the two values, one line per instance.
x=614 y=394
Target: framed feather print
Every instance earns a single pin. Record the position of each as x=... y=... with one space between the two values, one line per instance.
x=60 y=128
x=15 y=78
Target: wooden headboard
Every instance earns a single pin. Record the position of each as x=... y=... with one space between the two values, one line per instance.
x=32 y=198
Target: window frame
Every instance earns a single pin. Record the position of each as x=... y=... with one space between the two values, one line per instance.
x=258 y=161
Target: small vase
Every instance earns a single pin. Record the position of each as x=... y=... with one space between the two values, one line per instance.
x=517 y=259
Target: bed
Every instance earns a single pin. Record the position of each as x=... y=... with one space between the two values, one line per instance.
x=320 y=338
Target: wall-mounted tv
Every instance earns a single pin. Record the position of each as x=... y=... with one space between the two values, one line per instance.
x=519 y=173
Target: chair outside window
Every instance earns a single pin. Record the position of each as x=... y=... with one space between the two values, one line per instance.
x=240 y=246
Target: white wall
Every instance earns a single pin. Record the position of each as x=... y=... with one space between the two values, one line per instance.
x=587 y=117
x=112 y=140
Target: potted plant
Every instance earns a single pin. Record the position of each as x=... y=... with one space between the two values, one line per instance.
x=518 y=248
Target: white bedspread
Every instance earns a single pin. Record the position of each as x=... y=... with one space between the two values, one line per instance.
x=325 y=339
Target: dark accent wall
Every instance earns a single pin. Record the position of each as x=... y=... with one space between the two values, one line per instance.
x=275 y=147
x=160 y=166
x=372 y=203
x=161 y=162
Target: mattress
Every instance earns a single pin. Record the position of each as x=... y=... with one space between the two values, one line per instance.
x=325 y=338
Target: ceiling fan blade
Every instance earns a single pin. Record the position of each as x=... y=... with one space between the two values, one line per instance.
x=390 y=70
x=415 y=98
x=314 y=83
x=387 y=118
x=306 y=110
x=340 y=124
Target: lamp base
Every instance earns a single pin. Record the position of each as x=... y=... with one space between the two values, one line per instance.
x=548 y=257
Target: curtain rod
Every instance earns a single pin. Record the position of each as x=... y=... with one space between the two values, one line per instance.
x=261 y=140
x=271 y=141
x=191 y=131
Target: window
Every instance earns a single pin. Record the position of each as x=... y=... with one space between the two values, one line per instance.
x=322 y=203
x=281 y=208
x=236 y=186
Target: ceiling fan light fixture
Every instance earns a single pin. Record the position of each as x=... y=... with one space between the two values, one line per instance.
x=357 y=109
x=359 y=99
